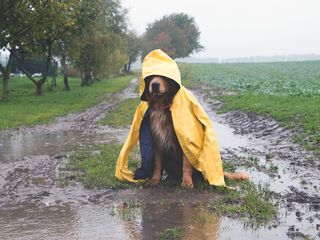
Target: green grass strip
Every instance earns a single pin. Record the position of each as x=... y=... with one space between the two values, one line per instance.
x=25 y=108
x=122 y=114
x=95 y=166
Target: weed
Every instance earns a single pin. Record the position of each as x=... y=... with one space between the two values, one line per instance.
x=170 y=234
x=273 y=168
x=251 y=203
x=97 y=170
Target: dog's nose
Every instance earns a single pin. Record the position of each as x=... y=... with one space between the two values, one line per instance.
x=155 y=87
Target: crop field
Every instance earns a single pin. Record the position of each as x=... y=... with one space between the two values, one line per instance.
x=285 y=78
x=287 y=91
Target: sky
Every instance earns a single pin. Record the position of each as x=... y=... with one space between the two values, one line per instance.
x=240 y=28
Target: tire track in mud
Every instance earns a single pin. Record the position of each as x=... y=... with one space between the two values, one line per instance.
x=271 y=158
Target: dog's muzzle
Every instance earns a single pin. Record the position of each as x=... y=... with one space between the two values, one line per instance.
x=155 y=88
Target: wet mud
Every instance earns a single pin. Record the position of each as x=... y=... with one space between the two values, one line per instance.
x=33 y=195
x=266 y=151
x=32 y=158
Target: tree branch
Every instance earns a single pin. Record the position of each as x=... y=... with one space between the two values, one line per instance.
x=23 y=69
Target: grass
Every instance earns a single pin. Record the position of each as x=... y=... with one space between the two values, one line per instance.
x=25 y=108
x=170 y=234
x=95 y=166
x=251 y=203
x=122 y=114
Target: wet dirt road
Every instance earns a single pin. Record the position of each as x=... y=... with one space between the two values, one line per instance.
x=35 y=206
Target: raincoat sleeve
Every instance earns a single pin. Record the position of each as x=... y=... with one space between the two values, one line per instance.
x=122 y=172
x=209 y=157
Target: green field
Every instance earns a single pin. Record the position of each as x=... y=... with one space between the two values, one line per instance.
x=287 y=91
x=283 y=78
x=25 y=108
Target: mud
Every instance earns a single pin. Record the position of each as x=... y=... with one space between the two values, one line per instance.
x=33 y=194
x=271 y=157
x=32 y=158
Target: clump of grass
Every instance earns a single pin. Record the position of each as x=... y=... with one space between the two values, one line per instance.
x=122 y=114
x=273 y=168
x=170 y=234
x=252 y=203
x=95 y=166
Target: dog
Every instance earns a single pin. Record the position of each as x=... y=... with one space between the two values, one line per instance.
x=168 y=155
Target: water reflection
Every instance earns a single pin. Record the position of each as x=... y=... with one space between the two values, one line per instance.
x=125 y=221
x=146 y=222
x=19 y=145
x=28 y=222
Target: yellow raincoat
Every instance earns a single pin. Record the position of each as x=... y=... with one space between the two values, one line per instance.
x=192 y=125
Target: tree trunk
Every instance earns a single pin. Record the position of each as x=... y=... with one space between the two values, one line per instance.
x=129 y=65
x=5 y=77
x=54 y=76
x=86 y=78
x=54 y=81
x=66 y=86
x=39 y=87
x=66 y=81
x=39 y=83
x=125 y=67
x=5 y=84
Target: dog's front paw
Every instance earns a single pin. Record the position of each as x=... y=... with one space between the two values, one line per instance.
x=187 y=183
x=153 y=181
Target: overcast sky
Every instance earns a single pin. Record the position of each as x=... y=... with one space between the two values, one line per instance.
x=240 y=28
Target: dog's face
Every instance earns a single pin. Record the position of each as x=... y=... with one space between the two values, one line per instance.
x=161 y=90
x=158 y=85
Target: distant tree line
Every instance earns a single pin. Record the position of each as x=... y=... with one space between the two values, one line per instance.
x=89 y=36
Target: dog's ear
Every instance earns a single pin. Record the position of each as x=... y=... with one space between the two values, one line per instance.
x=147 y=81
x=173 y=87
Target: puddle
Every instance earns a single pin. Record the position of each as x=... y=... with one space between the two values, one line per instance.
x=19 y=145
x=65 y=133
x=226 y=137
x=125 y=222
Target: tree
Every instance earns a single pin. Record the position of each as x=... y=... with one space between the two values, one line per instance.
x=11 y=31
x=176 y=34
x=34 y=28
x=102 y=44
x=133 y=49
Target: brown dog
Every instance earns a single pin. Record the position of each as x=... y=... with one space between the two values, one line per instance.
x=168 y=153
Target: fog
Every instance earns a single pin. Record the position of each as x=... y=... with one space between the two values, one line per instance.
x=233 y=28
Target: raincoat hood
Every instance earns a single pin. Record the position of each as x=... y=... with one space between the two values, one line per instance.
x=158 y=63
x=192 y=126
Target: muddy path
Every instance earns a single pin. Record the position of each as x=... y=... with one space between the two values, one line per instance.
x=32 y=158
x=32 y=163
